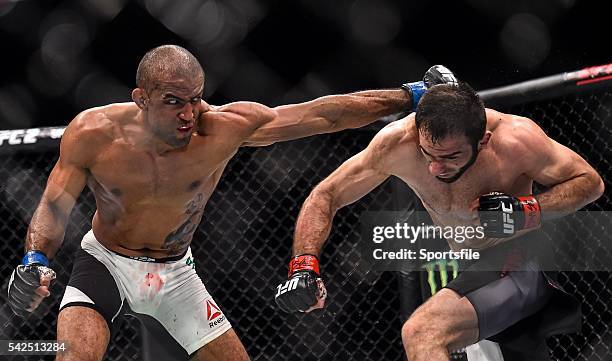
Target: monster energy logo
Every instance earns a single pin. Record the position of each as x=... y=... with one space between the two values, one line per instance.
x=443 y=267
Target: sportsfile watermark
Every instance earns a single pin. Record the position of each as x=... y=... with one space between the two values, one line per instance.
x=410 y=241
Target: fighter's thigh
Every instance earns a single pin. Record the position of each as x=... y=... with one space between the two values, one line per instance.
x=85 y=332
x=447 y=317
x=226 y=347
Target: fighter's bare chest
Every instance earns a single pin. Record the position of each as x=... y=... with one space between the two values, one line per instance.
x=439 y=197
x=134 y=174
x=457 y=197
x=443 y=199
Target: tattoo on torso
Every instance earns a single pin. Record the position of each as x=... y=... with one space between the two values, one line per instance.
x=178 y=240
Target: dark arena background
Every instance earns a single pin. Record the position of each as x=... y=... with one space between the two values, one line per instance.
x=61 y=57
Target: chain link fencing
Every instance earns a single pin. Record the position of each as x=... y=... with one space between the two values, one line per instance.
x=583 y=123
x=243 y=245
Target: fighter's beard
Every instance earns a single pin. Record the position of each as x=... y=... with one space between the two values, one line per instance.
x=462 y=169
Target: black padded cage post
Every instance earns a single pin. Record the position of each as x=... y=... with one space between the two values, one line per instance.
x=572 y=82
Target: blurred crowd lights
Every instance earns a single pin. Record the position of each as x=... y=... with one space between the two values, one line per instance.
x=60 y=65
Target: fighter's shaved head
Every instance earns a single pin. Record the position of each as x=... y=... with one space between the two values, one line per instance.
x=167 y=62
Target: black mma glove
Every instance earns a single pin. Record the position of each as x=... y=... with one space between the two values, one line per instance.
x=304 y=288
x=502 y=215
x=437 y=74
x=25 y=279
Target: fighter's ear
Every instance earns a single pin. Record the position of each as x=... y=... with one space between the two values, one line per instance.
x=485 y=139
x=139 y=97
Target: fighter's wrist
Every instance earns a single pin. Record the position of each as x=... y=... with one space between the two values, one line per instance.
x=416 y=91
x=532 y=213
x=35 y=257
x=304 y=262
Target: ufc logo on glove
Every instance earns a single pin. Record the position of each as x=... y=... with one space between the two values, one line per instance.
x=287 y=286
x=507 y=219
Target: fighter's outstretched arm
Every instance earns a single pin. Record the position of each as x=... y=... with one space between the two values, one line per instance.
x=338 y=112
x=327 y=114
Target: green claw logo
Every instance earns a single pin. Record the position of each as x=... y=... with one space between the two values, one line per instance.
x=443 y=268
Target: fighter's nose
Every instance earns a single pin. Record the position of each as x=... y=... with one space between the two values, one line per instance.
x=436 y=169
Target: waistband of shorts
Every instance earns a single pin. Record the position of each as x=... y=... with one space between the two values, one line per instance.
x=138 y=258
x=151 y=259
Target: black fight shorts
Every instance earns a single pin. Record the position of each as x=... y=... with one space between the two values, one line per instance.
x=518 y=308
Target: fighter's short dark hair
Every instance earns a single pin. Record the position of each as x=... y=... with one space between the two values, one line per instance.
x=447 y=110
x=164 y=62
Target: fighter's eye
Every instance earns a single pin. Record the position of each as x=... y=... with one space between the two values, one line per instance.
x=172 y=101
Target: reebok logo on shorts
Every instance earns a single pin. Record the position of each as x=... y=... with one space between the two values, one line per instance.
x=212 y=311
x=212 y=314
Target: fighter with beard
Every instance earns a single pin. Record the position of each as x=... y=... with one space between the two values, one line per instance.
x=468 y=165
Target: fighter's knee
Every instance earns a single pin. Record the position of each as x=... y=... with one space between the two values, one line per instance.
x=413 y=331
x=420 y=330
x=84 y=332
x=409 y=333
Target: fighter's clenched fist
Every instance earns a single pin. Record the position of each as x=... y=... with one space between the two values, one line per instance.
x=29 y=283
x=304 y=290
x=503 y=215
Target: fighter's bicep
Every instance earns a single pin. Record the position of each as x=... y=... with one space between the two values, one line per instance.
x=554 y=163
x=354 y=179
x=69 y=175
x=293 y=121
x=65 y=184
x=250 y=122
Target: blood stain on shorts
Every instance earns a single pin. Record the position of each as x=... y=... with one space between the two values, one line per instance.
x=153 y=281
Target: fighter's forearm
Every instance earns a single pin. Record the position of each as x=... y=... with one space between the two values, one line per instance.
x=47 y=228
x=571 y=195
x=314 y=223
x=361 y=108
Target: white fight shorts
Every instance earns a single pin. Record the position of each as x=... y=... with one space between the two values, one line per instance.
x=166 y=294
